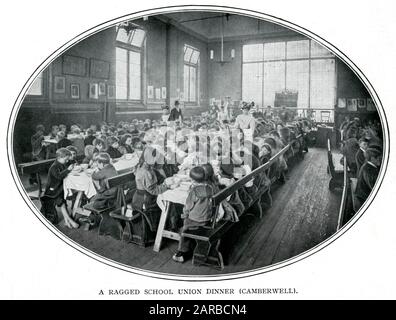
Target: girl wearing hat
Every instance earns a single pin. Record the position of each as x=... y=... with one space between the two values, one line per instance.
x=147 y=186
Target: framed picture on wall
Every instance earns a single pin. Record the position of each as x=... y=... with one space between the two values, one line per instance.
x=361 y=103
x=157 y=94
x=150 y=92
x=370 y=105
x=75 y=91
x=341 y=103
x=102 y=88
x=352 y=104
x=59 y=84
x=163 y=92
x=74 y=65
x=99 y=69
x=111 y=92
x=93 y=91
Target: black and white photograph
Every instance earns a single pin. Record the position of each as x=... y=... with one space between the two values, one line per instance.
x=75 y=91
x=228 y=143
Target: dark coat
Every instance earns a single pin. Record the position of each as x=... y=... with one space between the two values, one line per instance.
x=368 y=174
x=175 y=114
x=89 y=140
x=57 y=172
x=63 y=143
x=114 y=153
x=360 y=159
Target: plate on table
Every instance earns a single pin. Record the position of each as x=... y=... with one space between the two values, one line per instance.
x=182 y=177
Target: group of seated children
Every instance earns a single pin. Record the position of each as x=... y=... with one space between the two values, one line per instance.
x=362 y=151
x=112 y=142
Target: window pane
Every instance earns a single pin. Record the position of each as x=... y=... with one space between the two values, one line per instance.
x=298 y=49
x=253 y=52
x=134 y=75
x=121 y=73
x=297 y=79
x=187 y=53
x=193 y=83
x=37 y=86
x=122 y=35
x=323 y=83
x=318 y=50
x=186 y=77
x=252 y=82
x=195 y=57
x=274 y=51
x=274 y=80
x=138 y=37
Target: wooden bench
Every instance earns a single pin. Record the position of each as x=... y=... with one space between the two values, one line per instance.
x=36 y=168
x=337 y=177
x=347 y=206
x=208 y=239
x=107 y=226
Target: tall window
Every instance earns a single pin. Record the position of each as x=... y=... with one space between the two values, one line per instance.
x=129 y=53
x=37 y=86
x=191 y=74
x=302 y=66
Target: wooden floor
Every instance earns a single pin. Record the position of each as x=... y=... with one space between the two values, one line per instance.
x=304 y=213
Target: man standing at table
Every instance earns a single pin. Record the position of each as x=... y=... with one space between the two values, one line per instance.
x=176 y=113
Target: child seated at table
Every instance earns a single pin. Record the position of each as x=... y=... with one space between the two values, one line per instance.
x=63 y=128
x=147 y=186
x=73 y=157
x=78 y=140
x=368 y=175
x=197 y=211
x=126 y=144
x=63 y=142
x=105 y=170
x=112 y=148
x=89 y=138
x=89 y=155
x=54 y=188
x=360 y=154
x=54 y=132
x=100 y=145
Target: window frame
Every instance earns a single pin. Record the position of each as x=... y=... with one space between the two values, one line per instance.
x=190 y=65
x=285 y=60
x=43 y=97
x=141 y=50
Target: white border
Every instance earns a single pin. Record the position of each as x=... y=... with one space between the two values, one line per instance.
x=198 y=8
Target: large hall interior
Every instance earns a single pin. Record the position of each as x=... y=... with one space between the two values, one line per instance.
x=300 y=132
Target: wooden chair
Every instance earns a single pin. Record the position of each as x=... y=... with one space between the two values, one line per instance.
x=107 y=225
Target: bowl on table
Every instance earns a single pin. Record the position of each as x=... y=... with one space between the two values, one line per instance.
x=84 y=166
x=128 y=156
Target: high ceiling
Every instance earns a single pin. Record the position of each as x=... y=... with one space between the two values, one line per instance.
x=209 y=24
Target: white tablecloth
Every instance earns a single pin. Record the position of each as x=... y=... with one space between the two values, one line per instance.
x=176 y=196
x=79 y=182
x=124 y=164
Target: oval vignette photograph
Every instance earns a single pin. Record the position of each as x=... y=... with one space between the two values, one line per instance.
x=194 y=143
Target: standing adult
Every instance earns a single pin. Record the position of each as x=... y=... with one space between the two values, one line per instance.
x=222 y=114
x=176 y=113
x=245 y=120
